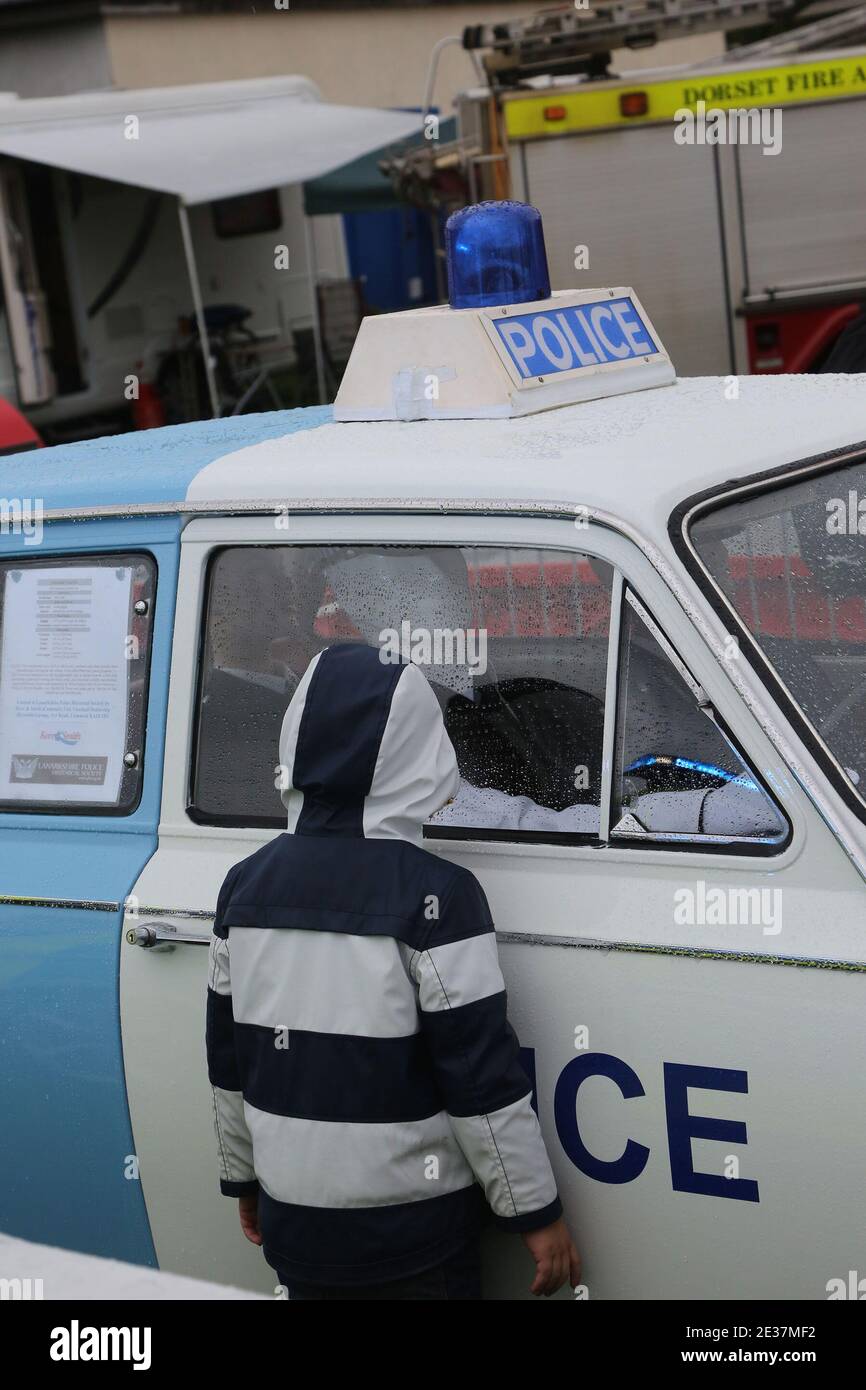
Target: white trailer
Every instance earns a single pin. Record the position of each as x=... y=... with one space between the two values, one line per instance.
x=123 y=212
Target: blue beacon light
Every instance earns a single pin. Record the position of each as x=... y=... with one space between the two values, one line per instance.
x=495 y=255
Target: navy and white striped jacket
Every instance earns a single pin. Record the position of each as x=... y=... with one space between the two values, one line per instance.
x=366 y=1081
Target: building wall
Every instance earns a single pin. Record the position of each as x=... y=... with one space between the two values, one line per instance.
x=55 y=59
x=357 y=57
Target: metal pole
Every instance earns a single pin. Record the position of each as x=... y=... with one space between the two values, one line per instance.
x=192 y=271
x=314 y=302
x=433 y=69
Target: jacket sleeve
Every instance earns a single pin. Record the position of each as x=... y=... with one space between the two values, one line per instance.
x=462 y=1002
x=237 y=1175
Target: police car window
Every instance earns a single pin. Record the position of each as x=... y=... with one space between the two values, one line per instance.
x=678 y=775
x=514 y=643
x=74 y=654
x=792 y=565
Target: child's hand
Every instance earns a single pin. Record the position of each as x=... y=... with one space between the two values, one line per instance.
x=556 y=1259
x=248 y=1210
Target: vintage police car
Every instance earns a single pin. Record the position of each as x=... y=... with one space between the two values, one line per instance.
x=662 y=737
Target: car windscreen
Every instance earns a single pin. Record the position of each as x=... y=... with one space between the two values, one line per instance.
x=792 y=564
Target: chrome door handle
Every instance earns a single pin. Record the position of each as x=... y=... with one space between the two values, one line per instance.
x=141 y=936
x=162 y=934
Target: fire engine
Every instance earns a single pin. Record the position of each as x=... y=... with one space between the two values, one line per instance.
x=751 y=257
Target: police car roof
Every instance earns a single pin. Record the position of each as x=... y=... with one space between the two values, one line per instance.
x=637 y=456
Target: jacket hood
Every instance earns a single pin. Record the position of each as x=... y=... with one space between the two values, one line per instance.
x=364 y=749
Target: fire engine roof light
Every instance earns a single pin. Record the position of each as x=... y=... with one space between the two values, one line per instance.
x=496 y=255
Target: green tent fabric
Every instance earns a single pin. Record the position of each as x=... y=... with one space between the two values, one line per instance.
x=361 y=186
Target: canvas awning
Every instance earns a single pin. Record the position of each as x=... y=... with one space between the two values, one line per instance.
x=202 y=141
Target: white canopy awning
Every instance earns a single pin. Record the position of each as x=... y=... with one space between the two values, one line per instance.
x=202 y=141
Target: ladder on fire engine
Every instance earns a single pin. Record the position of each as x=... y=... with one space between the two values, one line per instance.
x=850 y=25
x=567 y=41
x=576 y=41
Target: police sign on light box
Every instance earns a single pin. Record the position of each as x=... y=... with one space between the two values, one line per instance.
x=537 y=348
x=563 y=337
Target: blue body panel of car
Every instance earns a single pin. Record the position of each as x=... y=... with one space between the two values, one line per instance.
x=67 y=1158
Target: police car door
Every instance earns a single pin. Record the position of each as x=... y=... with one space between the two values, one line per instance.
x=614 y=781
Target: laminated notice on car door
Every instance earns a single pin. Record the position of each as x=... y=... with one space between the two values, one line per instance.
x=64 y=674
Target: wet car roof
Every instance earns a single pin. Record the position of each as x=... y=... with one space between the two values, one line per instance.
x=637 y=456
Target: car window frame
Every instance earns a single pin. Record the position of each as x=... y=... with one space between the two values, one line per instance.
x=752 y=846
x=433 y=834
x=703 y=503
x=233 y=822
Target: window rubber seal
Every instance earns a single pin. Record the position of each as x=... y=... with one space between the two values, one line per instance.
x=712 y=499
x=479 y=834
